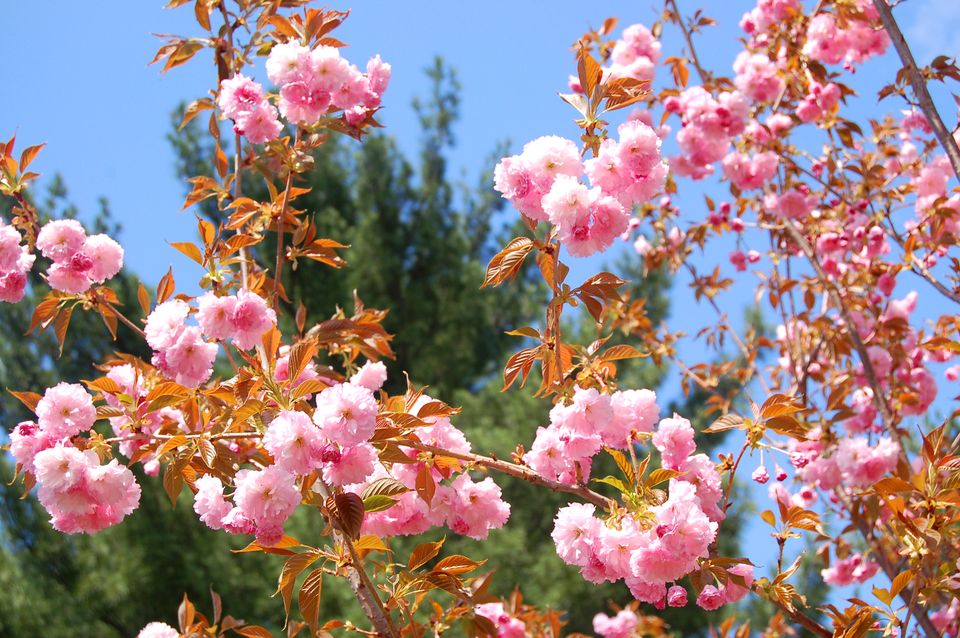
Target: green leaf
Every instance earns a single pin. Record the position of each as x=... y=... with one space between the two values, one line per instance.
x=378 y=503
x=614 y=481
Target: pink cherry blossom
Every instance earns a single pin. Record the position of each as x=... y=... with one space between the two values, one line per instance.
x=158 y=630
x=214 y=314
x=682 y=536
x=59 y=239
x=477 y=507
x=165 y=323
x=507 y=625
x=760 y=475
x=250 y=318
x=352 y=465
x=633 y=411
x=294 y=442
x=66 y=410
x=189 y=360
x=757 y=77
x=734 y=591
x=267 y=497
x=346 y=414
x=674 y=439
x=747 y=172
x=80 y=494
x=209 y=503
x=289 y=62
x=106 y=256
x=10 y=247
x=677 y=596
x=575 y=531
x=853 y=569
x=710 y=598
x=621 y=625
x=371 y=375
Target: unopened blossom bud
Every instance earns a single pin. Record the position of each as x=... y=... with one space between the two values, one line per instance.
x=677 y=596
x=760 y=475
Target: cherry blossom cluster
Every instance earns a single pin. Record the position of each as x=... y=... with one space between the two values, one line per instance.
x=335 y=441
x=313 y=84
x=79 y=493
x=852 y=569
x=947 y=619
x=832 y=41
x=708 y=124
x=829 y=39
x=79 y=261
x=183 y=354
x=564 y=450
x=466 y=506
x=15 y=262
x=543 y=182
x=669 y=539
x=625 y=622
x=758 y=20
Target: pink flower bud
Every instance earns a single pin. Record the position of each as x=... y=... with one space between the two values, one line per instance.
x=760 y=475
x=677 y=596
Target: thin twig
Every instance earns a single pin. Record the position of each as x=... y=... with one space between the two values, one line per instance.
x=518 y=471
x=278 y=270
x=869 y=372
x=907 y=593
x=704 y=75
x=919 y=84
x=125 y=321
x=733 y=333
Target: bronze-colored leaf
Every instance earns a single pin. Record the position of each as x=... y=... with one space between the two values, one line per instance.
x=189 y=249
x=726 y=422
x=425 y=484
x=350 y=513
x=623 y=351
x=309 y=598
x=29 y=399
x=507 y=263
x=166 y=286
x=288 y=576
x=423 y=553
x=457 y=564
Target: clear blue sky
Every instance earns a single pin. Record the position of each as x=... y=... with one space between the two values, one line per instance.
x=76 y=76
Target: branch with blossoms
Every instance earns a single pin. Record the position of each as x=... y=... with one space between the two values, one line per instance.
x=839 y=231
x=286 y=431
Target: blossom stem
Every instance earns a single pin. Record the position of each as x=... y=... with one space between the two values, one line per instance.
x=868 y=371
x=733 y=473
x=237 y=146
x=363 y=588
x=806 y=621
x=167 y=437
x=749 y=358
x=907 y=594
x=517 y=471
x=704 y=75
x=278 y=269
x=919 y=84
x=125 y=321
